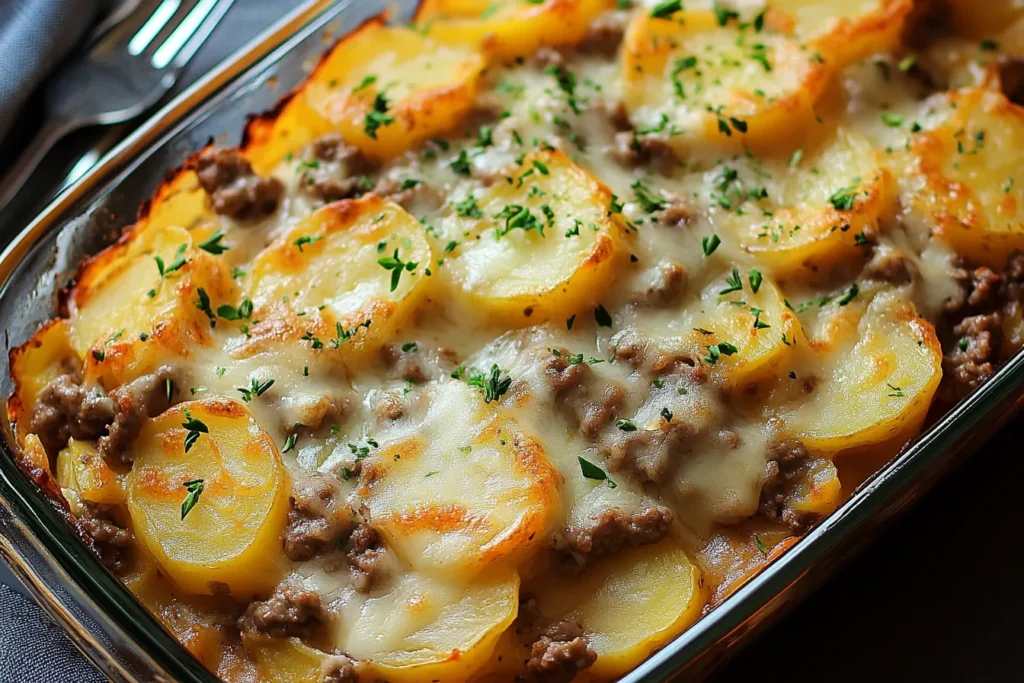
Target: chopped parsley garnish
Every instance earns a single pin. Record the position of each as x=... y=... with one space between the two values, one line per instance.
x=843 y=198
x=229 y=312
x=892 y=120
x=305 y=240
x=849 y=295
x=460 y=164
x=518 y=216
x=467 y=208
x=649 y=200
x=710 y=244
x=212 y=244
x=592 y=471
x=256 y=388
x=168 y=268
x=723 y=14
x=569 y=321
x=410 y=183
x=667 y=414
x=760 y=545
x=907 y=63
x=485 y=136
x=194 y=489
x=203 y=304
x=289 y=443
x=794 y=160
x=365 y=83
x=756 y=279
x=734 y=281
x=625 y=425
x=378 y=116
x=602 y=316
x=718 y=350
x=494 y=385
x=410 y=347
x=666 y=8
x=964 y=343
x=894 y=392
x=193 y=428
x=860 y=240
x=988 y=45
x=397 y=266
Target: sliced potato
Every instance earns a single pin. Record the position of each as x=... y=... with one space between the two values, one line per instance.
x=874 y=387
x=427 y=630
x=753 y=333
x=126 y=318
x=35 y=364
x=629 y=605
x=818 y=491
x=326 y=275
x=967 y=180
x=508 y=29
x=821 y=213
x=384 y=88
x=464 y=490
x=844 y=31
x=84 y=474
x=695 y=81
x=538 y=246
x=238 y=516
x=288 y=660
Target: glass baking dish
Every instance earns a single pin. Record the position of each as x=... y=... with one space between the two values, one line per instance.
x=105 y=620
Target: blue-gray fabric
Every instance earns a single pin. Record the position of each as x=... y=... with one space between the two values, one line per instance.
x=34 y=36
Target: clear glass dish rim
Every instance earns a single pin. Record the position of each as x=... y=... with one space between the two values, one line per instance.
x=897 y=484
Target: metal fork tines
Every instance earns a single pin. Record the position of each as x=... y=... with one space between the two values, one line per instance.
x=125 y=72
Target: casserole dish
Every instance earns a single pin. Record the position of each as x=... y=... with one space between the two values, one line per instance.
x=729 y=620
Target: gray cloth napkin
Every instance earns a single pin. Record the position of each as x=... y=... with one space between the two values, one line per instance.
x=34 y=36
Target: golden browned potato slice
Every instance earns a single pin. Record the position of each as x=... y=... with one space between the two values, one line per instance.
x=628 y=605
x=341 y=280
x=144 y=301
x=508 y=29
x=743 y=335
x=694 y=81
x=968 y=182
x=872 y=385
x=844 y=31
x=427 y=630
x=288 y=660
x=464 y=490
x=85 y=477
x=537 y=246
x=821 y=212
x=35 y=364
x=384 y=88
x=818 y=490
x=208 y=497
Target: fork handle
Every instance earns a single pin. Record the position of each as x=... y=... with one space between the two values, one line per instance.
x=50 y=133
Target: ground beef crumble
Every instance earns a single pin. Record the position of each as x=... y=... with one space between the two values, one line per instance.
x=337 y=171
x=145 y=397
x=558 y=656
x=112 y=542
x=66 y=409
x=610 y=532
x=234 y=188
x=317 y=521
x=288 y=613
x=785 y=462
x=972 y=329
x=365 y=555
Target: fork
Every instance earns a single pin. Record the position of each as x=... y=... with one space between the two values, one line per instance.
x=125 y=72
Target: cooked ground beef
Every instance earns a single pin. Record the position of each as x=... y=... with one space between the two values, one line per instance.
x=400 y=193
x=629 y=346
x=559 y=659
x=889 y=266
x=1011 y=78
x=112 y=543
x=785 y=462
x=616 y=113
x=561 y=374
x=546 y=57
x=389 y=406
x=610 y=532
x=142 y=398
x=317 y=520
x=339 y=669
x=416 y=364
x=927 y=22
x=234 y=187
x=634 y=150
x=972 y=331
x=66 y=409
x=594 y=414
x=605 y=34
x=338 y=170
x=365 y=554
x=650 y=453
x=288 y=613
x=678 y=212
x=668 y=285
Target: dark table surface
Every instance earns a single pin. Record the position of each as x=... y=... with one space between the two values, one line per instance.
x=938 y=596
